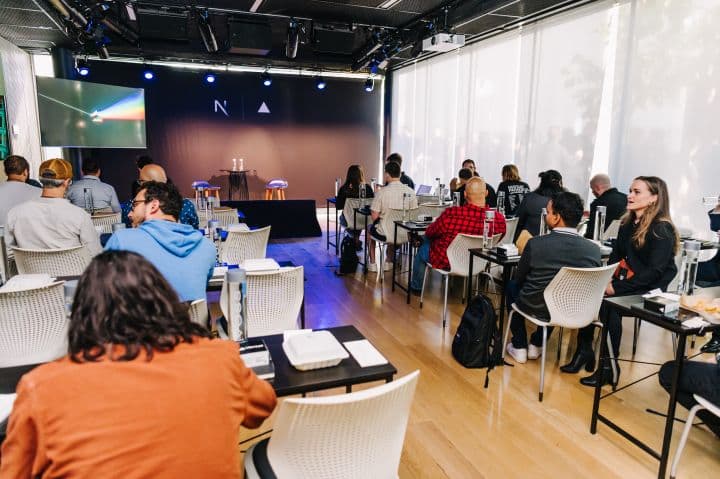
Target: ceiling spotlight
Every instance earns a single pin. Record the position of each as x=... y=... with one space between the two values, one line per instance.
x=320 y=83
x=148 y=74
x=206 y=32
x=82 y=67
x=210 y=78
x=293 y=39
x=369 y=84
x=266 y=78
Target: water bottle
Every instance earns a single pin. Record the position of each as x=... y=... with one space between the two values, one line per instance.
x=488 y=228
x=438 y=192
x=456 y=198
x=501 y=202
x=441 y=196
x=214 y=230
x=599 y=228
x=211 y=207
x=543 y=222
x=362 y=193
x=201 y=198
x=373 y=184
x=404 y=207
x=337 y=186
x=89 y=205
x=688 y=267
x=236 y=280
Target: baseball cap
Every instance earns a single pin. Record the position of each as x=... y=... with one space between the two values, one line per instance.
x=56 y=169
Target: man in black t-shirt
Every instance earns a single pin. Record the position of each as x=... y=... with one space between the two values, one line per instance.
x=605 y=195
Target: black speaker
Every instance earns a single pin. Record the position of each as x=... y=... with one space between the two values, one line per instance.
x=249 y=38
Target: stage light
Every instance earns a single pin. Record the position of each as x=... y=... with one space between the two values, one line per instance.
x=82 y=68
x=210 y=78
x=206 y=32
x=148 y=74
x=266 y=78
x=293 y=39
x=369 y=84
x=320 y=82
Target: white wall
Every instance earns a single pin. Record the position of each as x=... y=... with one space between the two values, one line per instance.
x=627 y=88
x=21 y=98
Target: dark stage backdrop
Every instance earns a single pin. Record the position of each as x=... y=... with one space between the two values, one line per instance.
x=289 y=130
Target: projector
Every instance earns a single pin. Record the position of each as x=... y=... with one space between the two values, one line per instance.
x=443 y=42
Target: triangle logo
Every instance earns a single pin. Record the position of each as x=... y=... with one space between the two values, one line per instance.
x=264 y=108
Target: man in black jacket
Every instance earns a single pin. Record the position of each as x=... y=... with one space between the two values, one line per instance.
x=542 y=258
x=605 y=195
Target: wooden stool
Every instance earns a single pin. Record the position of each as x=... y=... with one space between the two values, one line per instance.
x=275 y=186
x=213 y=191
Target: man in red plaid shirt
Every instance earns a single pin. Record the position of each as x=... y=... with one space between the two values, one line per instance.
x=467 y=219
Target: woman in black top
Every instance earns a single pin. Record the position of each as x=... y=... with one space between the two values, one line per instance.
x=530 y=210
x=512 y=189
x=351 y=189
x=645 y=252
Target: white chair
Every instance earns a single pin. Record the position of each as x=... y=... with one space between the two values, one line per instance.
x=387 y=224
x=702 y=403
x=573 y=300
x=33 y=325
x=351 y=217
x=242 y=245
x=356 y=435
x=6 y=404
x=459 y=258
x=226 y=217
x=55 y=262
x=199 y=312
x=273 y=301
x=611 y=231
x=105 y=221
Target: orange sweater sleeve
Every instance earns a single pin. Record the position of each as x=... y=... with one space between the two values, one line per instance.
x=23 y=452
x=261 y=399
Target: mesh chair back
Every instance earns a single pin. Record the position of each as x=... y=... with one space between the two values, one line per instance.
x=273 y=300
x=387 y=223
x=356 y=435
x=459 y=257
x=611 y=231
x=199 y=312
x=242 y=245
x=226 y=217
x=105 y=221
x=349 y=213
x=510 y=227
x=33 y=325
x=574 y=295
x=55 y=262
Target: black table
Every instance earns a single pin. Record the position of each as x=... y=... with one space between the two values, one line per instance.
x=328 y=243
x=412 y=227
x=289 y=381
x=633 y=306
x=237 y=181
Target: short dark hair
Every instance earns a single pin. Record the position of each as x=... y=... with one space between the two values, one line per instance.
x=550 y=183
x=394 y=157
x=16 y=165
x=392 y=168
x=90 y=166
x=143 y=160
x=465 y=174
x=123 y=300
x=569 y=206
x=167 y=194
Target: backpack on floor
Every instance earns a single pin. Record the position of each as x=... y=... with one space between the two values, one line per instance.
x=477 y=342
x=348 y=255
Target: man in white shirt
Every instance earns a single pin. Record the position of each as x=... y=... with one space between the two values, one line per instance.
x=15 y=191
x=51 y=221
x=100 y=196
x=390 y=196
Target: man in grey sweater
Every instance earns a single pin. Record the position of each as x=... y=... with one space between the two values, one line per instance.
x=542 y=258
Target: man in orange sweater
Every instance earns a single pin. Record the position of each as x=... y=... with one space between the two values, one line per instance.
x=143 y=392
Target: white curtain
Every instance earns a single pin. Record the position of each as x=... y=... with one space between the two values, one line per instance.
x=628 y=88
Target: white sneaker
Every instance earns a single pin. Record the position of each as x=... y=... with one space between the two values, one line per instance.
x=534 y=352
x=519 y=355
x=372 y=267
x=387 y=266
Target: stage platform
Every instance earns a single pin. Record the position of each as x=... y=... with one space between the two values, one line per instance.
x=288 y=218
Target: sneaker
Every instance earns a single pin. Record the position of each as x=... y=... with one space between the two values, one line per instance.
x=387 y=266
x=372 y=267
x=534 y=352
x=519 y=355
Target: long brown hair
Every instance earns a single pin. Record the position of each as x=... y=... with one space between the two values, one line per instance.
x=123 y=300
x=510 y=173
x=354 y=177
x=655 y=212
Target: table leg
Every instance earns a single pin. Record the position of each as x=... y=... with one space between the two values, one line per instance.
x=410 y=265
x=672 y=404
x=393 y=271
x=327 y=224
x=243 y=192
x=470 y=278
x=337 y=232
x=503 y=303
x=366 y=246
x=598 y=386
x=302 y=313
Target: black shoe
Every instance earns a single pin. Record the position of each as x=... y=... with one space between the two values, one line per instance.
x=604 y=375
x=712 y=346
x=581 y=359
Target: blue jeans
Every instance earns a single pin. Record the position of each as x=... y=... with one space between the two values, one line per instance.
x=421 y=257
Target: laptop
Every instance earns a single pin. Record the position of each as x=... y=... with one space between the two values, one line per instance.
x=424 y=190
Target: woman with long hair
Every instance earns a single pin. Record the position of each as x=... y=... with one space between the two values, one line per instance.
x=354 y=183
x=513 y=190
x=530 y=209
x=645 y=252
x=142 y=392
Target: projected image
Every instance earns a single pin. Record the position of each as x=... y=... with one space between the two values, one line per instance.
x=81 y=114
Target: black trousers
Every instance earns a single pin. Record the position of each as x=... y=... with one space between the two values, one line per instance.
x=613 y=322
x=517 y=325
x=696 y=378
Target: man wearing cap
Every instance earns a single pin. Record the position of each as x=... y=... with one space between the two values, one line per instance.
x=51 y=221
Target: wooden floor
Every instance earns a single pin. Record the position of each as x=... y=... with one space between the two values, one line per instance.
x=458 y=429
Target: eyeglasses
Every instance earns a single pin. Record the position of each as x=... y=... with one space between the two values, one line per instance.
x=134 y=203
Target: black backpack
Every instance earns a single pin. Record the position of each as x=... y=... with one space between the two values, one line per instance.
x=348 y=255
x=477 y=342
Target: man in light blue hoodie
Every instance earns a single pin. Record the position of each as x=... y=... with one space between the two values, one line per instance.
x=180 y=252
